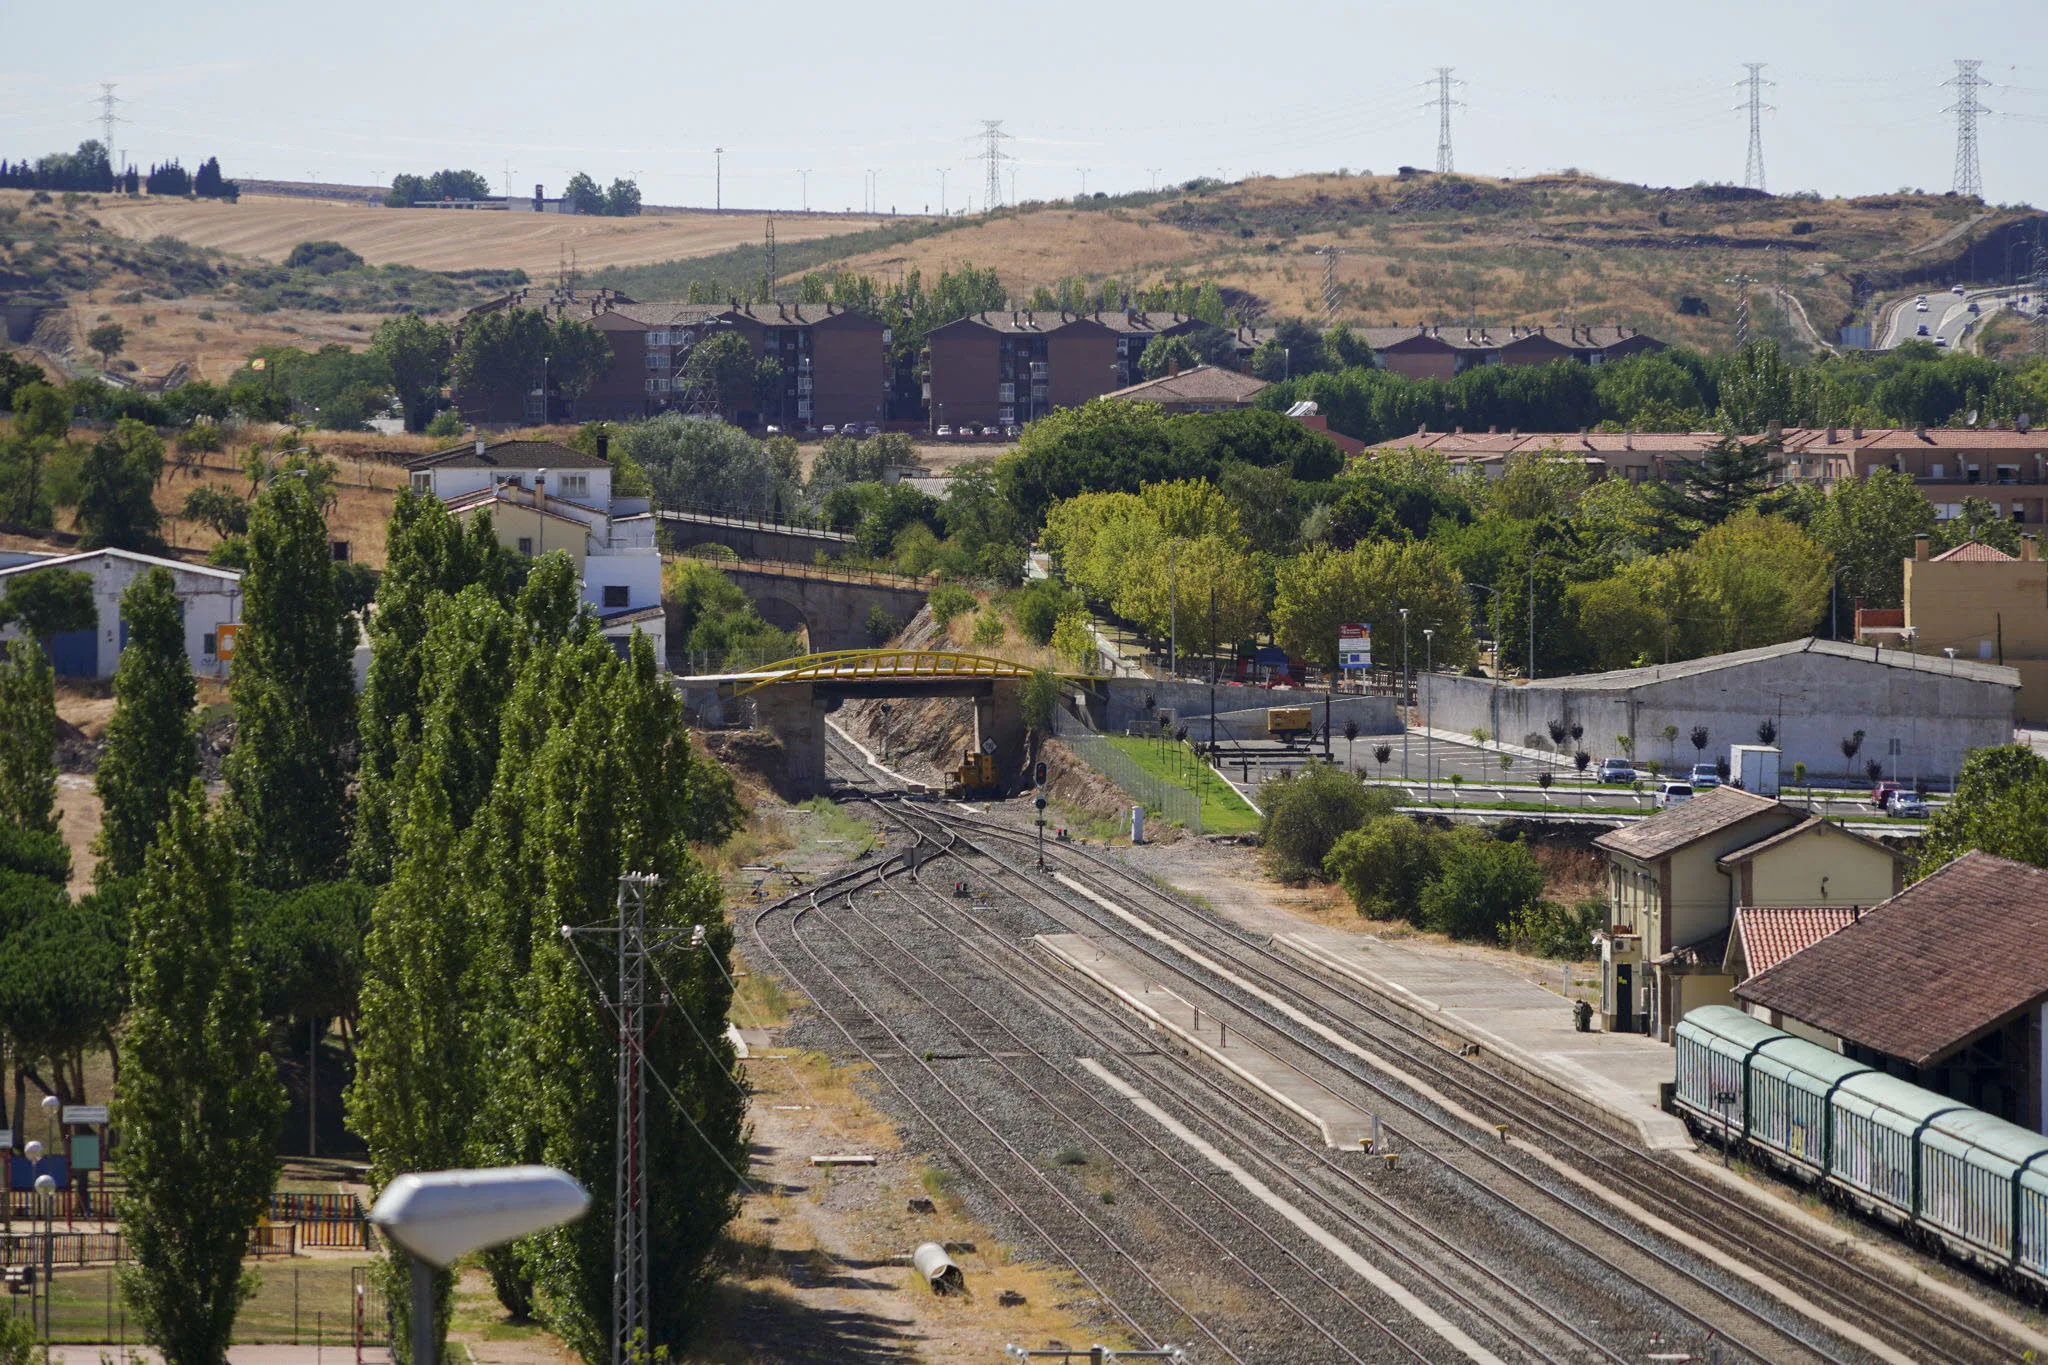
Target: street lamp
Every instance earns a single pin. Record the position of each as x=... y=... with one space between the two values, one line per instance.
x=1404 y=694
x=439 y=1217
x=1428 y=714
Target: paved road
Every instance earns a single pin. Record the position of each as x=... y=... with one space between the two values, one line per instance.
x=1948 y=317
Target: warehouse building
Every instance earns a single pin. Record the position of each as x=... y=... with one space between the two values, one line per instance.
x=1916 y=716
x=208 y=597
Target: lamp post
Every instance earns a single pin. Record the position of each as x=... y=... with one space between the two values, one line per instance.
x=1404 y=694
x=1173 y=607
x=438 y=1217
x=1428 y=715
x=46 y=1186
x=1495 y=594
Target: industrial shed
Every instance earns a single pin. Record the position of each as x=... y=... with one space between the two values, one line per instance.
x=1918 y=716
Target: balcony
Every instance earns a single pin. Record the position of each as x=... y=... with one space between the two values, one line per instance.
x=1006 y=393
x=804 y=383
x=1040 y=369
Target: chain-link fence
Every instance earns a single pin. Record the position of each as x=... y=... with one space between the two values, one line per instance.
x=1156 y=794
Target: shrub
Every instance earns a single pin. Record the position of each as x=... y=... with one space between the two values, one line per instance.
x=1072 y=641
x=989 y=629
x=948 y=600
x=1307 y=812
x=1384 y=864
x=1553 y=929
x=1039 y=607
x=34 y=855
x=447 y=422
x=880 y=625
x=1479 y=887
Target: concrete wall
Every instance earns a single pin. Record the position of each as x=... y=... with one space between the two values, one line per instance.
x=835 y=611
x=1824 y=866
x=1817 y=699
x=1123 y=707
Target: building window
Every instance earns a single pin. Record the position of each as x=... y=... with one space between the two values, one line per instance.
x=614 y=596
x=209 y=644
x=423 y=483
x=1937 y=470
x=575 y=485
x=340 y=550
x=526 y=546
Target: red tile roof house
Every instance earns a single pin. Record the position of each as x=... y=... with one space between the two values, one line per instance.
x=1944 y=985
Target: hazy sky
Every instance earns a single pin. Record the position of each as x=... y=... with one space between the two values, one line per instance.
x=1637 y=91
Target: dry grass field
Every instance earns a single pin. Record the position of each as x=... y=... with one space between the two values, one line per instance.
x=268 y=227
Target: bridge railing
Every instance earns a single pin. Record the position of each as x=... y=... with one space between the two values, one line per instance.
x=820 y=573
x=810 y=526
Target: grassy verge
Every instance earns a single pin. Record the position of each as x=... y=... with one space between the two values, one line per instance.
x=296 y=1299
x=1224 y=811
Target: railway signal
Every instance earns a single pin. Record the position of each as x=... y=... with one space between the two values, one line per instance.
x=1038 y=773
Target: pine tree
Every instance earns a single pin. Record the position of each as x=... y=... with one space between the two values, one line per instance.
x=150 y=753
x=1730 y=475
x=294 y=699
x=198 y=1103
x=28 y=739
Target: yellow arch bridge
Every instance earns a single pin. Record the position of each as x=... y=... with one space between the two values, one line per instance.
x=878 y=670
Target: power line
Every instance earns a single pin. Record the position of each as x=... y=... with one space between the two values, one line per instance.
x=1443 y=103
x=1753 y=172
x=993 y=155
x=108 y=118
x=1969 y=178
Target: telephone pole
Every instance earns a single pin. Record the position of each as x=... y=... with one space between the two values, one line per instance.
x=1753 y=172
x=1444 y=104
x=1969 y=178
x=993 y=155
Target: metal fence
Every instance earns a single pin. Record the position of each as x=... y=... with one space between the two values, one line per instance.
x=1157 y=795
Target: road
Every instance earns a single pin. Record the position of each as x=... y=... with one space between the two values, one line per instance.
x=1948 y=317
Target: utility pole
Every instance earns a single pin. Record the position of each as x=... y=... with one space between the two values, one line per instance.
x=942 y=191
x=718 y=177
x=805 y=176
x=772 y=275
x=1743 y=284
x=1084 y=182
x=1969 y=178
x=1404 y=694
x=629 y=1228
x=992 y=137
x=1330 y=294
x=1753 y=172
x=108 y=118
x=1154 y=171
x=1444 y=103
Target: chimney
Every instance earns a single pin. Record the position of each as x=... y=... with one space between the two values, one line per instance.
x=1856 y=431
x=1492 y=431
x=2024 y=422
x=604 y=443
x=1628 y=439
x=540 y=489
x=1831 y=435
x=2030 y=548
x=1920 y=430
x=539 y=199
x=1774 y=429
x=1920 y=548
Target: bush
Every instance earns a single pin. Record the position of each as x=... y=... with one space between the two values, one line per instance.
x=447 y=422
x=34 y=855
x=1071 y=640
x=989 y=629
x=1384 y=864
x=1039 y=607
x=1552 y=929
x=1307 y=812
x=880 y=625
x=1481 y=884
x=948 y=600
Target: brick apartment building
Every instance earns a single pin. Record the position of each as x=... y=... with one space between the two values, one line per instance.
x=1638 y=456
x=833 y=362
x=2007 y=468
x=1441 y=352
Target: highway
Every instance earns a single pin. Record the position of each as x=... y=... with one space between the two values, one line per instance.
x=1948 y=317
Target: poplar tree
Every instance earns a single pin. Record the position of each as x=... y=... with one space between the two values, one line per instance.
x=294 y=699
x=150 y=754
x=28 y=739
x=198 y=1103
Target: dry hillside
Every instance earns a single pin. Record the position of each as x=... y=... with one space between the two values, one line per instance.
x=268 y=227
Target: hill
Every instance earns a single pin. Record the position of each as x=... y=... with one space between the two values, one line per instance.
x=1434 y=248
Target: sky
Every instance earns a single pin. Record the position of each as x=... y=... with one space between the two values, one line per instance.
x=1116 y=97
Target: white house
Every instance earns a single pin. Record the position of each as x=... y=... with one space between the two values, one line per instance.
x=209 y=597
x=545 y=497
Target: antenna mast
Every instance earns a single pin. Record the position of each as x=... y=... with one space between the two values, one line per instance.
x=1753 y=171
x=1969 y=175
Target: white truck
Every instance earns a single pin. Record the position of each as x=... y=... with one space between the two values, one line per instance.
x=1755 y=767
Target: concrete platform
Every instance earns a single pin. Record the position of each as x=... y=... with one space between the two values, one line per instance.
x=1344 y=1127
x=1517 y=1020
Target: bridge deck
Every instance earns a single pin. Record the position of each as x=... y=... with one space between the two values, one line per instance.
x=755 y=524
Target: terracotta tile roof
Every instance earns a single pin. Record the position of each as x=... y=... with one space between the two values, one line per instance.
x=1769 y=935
x=1674 y=827
x=1024 y=321
x=1201 y=384
x=1940 y=964
x=1974 y=552
x=1810 y=440
x=510 y=455
x=1627 y=679
x=1678 y=443
x=1708 y=954
x=1737 y=856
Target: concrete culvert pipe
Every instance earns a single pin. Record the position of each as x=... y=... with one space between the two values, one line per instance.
x=938 y=1269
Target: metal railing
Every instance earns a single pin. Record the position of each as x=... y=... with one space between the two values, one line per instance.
x=820 y=572
x=728 y=516
x=1162 y=798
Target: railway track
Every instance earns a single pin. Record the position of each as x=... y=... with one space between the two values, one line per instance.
x=1890 y=1321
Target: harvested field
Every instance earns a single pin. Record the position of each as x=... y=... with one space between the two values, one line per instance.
x=436 y=239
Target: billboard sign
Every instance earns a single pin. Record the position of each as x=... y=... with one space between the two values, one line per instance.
x=1354 y=646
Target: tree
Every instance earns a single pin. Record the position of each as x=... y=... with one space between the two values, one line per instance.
x=1164 y=355
x=109 y=339
x=1767 y=580
x=2000 y=807
x=504 y=356
x=1307 y=812
x=1369 y=584
x=294 y=699
x=1730 y=475
x=1481 y=884
x=1039 y=700
x=197 y=1092
x=1867 y=526
x=417 y=353
x=583 y=195
x=1384 y=864
x=150 y=754
x=17 y=374
x=61 y=992
x=324 y=258
x=1344 y=349
x=227 y=514
x=1756 y=388
x=50 y=602
x=725 y=363
x=701 y=461
x=28 y=740
x=116 y=497
x=623 y=199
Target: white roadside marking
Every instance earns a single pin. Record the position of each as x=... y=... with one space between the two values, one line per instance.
x=1642 y=1216
x=1315 y=1231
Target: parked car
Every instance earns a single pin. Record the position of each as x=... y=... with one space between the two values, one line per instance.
x=1907 y=806
x=1674 y=793
x=1013 y=431
x=831 y=430
x=872 y=430
x=944 y=430
x=990 y=431
x=1617 y=770
x=1705 y=776
x=1881 y=795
